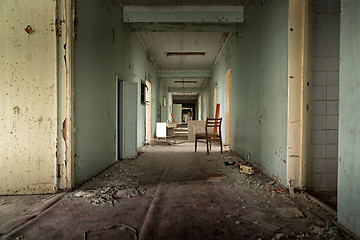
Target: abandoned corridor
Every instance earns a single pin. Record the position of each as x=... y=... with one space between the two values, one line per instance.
x=171 y=192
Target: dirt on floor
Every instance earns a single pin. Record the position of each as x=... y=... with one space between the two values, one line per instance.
x=170 y=192
x=15 y=206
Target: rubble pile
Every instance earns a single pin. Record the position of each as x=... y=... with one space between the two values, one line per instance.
x=112 y=185
x=109 y=195
x=304 y=212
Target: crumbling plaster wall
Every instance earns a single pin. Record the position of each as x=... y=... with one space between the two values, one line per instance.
x=349 y=129
x=259 y=68
x=28 y=97
x=104 y=47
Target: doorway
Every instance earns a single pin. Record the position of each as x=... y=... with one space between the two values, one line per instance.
x=148 y=110
x=227 y=107
x=126 y=119
x=215 y=99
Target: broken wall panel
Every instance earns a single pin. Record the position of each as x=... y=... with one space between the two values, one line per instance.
x=28 y=97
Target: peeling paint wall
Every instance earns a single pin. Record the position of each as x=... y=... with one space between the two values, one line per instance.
x=28 y=97
x=259 y=67
x=104 y=47
x=349 y=128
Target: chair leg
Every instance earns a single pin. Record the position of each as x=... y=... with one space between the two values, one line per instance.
x=195 y=144
x=207 y=145
x=221 y=145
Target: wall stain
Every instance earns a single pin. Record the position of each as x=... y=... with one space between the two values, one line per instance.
x=16 y=110
x=64 y=130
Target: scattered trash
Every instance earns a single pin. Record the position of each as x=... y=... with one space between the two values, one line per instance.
x=271 y=183
x=141 y=153
x=20 y=238
x=227 y=163
x=278 y=236
x=2 y=202
x=211 y=175
x=247 y=169
x=274 y=190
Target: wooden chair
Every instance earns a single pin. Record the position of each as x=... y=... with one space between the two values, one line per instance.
x=213 y=136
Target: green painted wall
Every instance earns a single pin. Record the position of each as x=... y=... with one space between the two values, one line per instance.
x=258 y=56
x=218 y=77
x=104 y=47
x=349 y=129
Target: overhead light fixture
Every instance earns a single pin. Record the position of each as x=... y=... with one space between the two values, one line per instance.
x=185 y=54
x=185 y=81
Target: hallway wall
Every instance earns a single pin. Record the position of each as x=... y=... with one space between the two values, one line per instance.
x=28 y=97
x=218 y=77
x=349 y=128
x=259 y=64
x=104 y=47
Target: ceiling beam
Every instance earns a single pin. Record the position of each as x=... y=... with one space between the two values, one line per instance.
x=184 y=14
x=184 y=89
x=184 y=74
x=184 y=27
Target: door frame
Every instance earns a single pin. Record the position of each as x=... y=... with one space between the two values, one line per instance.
x=148 y=111
x=227 y=107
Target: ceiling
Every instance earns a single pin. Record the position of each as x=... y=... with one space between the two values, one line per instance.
x=159 y=43
x=185 y=82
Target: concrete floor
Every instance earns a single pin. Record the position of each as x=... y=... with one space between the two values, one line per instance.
x=171 y=192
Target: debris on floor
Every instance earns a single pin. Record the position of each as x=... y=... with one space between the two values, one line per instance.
x=247 y=169
x=109 y=195
x=113 y=232
x=212 y=175
x=183 y=202
x=228 y=163
x=266 y=221
x=20 y=238
x=226 y=148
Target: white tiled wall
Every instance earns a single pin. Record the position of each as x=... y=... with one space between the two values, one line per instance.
x=324 y=82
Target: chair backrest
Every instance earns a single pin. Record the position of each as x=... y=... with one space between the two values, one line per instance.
x=213 y=123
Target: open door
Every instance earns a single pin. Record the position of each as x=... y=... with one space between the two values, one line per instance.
x=227 y=106
x=126 y=119
x=148 y=118
x=215 y=99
